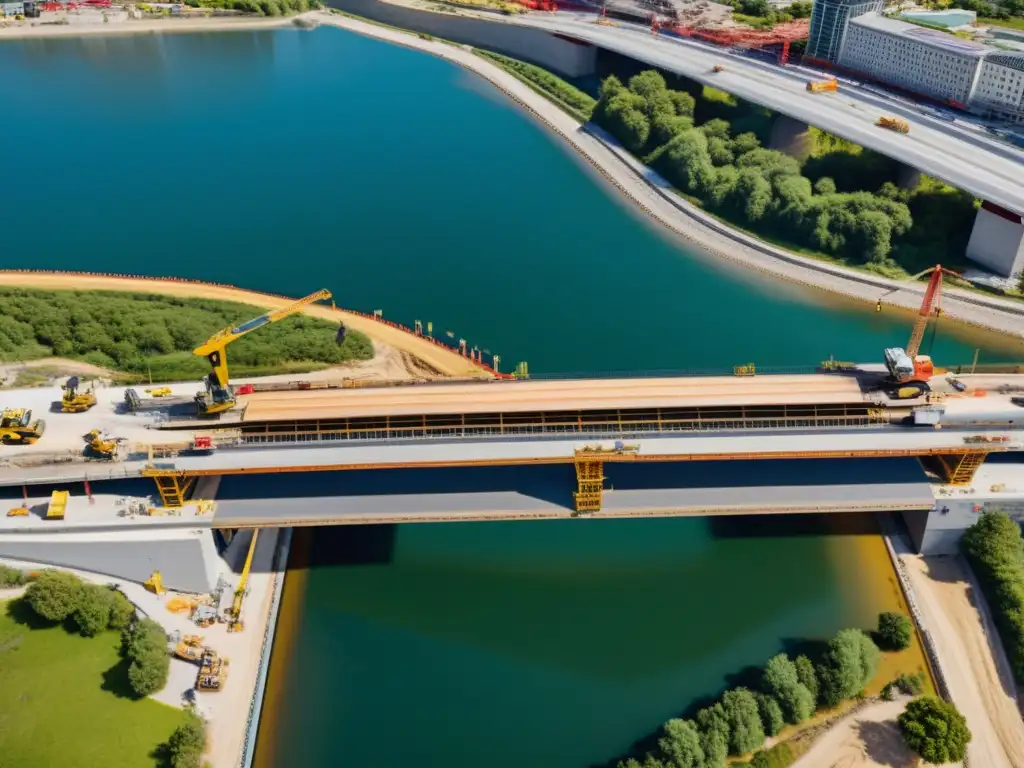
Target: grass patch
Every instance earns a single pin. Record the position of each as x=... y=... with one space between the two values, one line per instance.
x=1016 y=22
x=141 y=334
x=567 y=97
x=65 y=700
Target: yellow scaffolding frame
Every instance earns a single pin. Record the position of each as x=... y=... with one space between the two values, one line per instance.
x=589 y=483
x=172 y=485
x=959 y=469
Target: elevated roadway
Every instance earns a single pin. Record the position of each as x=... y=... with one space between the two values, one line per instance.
x=966 y=159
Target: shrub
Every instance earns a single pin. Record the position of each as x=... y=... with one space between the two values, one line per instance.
x=850 y=664
x=188 y=741
x=146 y=647
x=11 y=577
x=894 y=631
x=121 y=611
x=54 y=595
x=93 y=613
x=935 y=730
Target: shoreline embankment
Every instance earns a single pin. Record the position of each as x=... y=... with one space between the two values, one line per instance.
x=639 y=185
x=433 y=354
x=34 y=31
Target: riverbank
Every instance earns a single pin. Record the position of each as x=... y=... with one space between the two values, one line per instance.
x=420 y=356
x=33 y=30
x=653 y=195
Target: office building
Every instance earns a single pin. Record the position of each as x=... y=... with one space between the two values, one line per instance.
x=829 y=21
x=921 y=60
x=999 y=92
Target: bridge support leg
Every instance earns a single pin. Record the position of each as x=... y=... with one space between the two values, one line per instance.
x=997 y=240
x=959 y=469
x=791 y=136
x=589 y=485
x=909 y=177
x=172 y=486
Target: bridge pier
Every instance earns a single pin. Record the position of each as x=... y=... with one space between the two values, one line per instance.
x=997 y=240
x=791 y=136
x=909 y=177
x=589 y=484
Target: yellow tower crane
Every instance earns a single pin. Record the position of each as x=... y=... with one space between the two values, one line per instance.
x=219 y=395
x=235 y=623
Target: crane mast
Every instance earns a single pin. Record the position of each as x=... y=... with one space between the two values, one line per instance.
x=219 y=395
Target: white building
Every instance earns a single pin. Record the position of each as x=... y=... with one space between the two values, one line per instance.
x=12 y=9
x=921 y=60
x=999 y=92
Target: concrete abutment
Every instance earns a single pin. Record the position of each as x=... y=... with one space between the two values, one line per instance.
x=792 y=137
x=997 y=240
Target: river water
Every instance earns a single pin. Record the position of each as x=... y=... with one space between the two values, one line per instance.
x=289 y=161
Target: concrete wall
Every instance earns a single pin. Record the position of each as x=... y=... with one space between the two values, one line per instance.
x=997 y=241
x=566 y=57
x=187 y=559
x=938 y=532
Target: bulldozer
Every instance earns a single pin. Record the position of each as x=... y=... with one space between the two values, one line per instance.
x=103 y=446
x=191 y=648
x=213 y=671
x=75 y=400
x=17 y=427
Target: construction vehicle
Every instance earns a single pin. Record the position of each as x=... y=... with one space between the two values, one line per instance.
x=75 y=401
x=103 y=446
x=213 y=671
x=234 y=618
x=620 y=448
x=219 y=395
x=18 y=512
x=17 y=427
x=58 y=505
x=159 y=392
x=893 y=124
x=204 y=615
x=155 y=583
x=823 y=86
x=718 y=68
x=910 y=372
x=190 y=648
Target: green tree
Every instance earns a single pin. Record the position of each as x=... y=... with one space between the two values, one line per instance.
x=805 y=673
x=772 y=718
x=121 y=611
x=894 y=631
x=683 y=102
x=687 y=163
x=825 y=186
x=54 y=595
x=851 y=661
x=752 y=194
x=717 y=128
x=782 y=681
x=93 y=612
x=146 y=647
x=680 y=744
x=11 y=577
x=188 y=741
x=712 y=720
x=935 y=730
x=745 y=730
x=745 y=142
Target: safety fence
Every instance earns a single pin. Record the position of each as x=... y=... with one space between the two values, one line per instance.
x=252 y=724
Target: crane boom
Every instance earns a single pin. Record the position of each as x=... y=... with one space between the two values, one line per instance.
x=235 y=620
x=929 y=304
x=219 y=396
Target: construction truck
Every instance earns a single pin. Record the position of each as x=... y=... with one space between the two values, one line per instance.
x=213 y=672
x=102 y=446
x=75 y=400
x=219 y=396
x=17 y=427
x=823 y=86
x=718 y=68
x=893 y=124
x=910 y=372
x=191 y=648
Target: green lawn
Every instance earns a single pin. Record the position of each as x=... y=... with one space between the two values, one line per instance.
x=1015 y=22
x=65 y=700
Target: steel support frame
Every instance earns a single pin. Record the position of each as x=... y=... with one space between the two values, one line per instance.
x=960 y=468
x=172 y=486
x=589 y=484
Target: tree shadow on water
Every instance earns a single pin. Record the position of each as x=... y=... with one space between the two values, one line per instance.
x=884 y=744
x=115 y=681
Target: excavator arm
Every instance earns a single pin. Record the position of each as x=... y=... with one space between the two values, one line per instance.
x=215 y=350
x=214 y=347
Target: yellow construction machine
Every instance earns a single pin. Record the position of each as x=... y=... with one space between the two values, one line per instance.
x=219 y=395
x=18 y=512
x=17 y=427
x=190 y=648
x=103 y=446
x=213 y=671
x=75 y=400
x=893 y=124
x=235 y=623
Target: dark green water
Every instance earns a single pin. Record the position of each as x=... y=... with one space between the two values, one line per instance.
x=290 y=161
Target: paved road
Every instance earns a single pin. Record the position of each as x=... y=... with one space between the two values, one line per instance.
x=987 y=168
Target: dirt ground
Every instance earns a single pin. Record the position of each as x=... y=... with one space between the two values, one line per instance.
x=980 y=685
x=429 y=355
x=869 y=738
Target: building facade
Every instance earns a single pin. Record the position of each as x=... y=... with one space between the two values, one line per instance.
x=920 y=60
x=999 y=92
x=829 y=22
x=12 y=9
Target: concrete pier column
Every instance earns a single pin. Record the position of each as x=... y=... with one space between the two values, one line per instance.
x=790 y=136
x=997 y=240
x=909 y=178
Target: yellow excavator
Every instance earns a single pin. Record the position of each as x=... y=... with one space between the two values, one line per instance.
x=235 y=623
x=219 y=395
x=103 y=446
x=17 y=427
x=75 y=400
